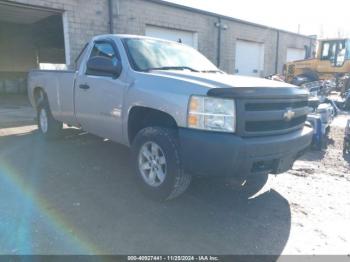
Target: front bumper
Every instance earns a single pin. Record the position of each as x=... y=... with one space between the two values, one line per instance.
x=222 y=154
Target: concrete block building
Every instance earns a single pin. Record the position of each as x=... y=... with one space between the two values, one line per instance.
x=37 y=33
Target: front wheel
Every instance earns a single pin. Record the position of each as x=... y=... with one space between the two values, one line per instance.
x=48 y=126
x=158 y=168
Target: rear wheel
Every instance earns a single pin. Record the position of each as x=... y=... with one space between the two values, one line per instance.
x=48 y=126
x=158 y=168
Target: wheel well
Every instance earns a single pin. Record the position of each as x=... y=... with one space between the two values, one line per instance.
x=39 y=95
x=142 y=117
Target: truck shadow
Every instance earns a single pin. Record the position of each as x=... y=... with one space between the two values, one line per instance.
x=313 y=155
x=90 y=183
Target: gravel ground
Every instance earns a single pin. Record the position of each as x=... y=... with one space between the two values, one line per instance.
x=77 y=196
x=318 y=191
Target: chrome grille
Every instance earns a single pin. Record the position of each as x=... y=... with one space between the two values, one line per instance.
x=259 y=117
x=274 y=106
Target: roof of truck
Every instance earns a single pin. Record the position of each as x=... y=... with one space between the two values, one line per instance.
x=126 y=36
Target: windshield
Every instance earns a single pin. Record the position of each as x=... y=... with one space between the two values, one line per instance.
x=149 y=54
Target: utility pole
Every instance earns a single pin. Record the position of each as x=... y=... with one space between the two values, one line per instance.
x=221 y=27
x=110 y=17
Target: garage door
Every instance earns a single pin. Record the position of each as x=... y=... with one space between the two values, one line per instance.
x=29 y=36
x=249 y=58
x=185 y=37
x=294 y=54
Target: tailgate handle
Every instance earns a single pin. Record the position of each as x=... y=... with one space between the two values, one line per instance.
x=85 y=86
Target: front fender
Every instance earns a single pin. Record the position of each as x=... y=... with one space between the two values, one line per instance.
x=165 y=94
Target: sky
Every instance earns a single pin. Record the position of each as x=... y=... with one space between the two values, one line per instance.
x=330 y=18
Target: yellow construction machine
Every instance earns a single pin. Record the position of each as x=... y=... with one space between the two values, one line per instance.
x=332 y=62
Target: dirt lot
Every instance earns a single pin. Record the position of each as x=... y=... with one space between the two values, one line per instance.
x=76 y=196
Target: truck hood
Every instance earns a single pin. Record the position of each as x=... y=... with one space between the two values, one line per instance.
x=225 y=85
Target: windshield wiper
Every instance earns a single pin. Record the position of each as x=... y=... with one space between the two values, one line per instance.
x=172 y=68
x=212 y=71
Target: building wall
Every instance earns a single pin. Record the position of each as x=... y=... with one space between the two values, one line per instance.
x=83 y=19
x=292 y=41
x=86 y=18
x=132 y=16
x=238 y=31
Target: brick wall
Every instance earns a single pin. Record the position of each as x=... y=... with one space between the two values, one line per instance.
x=132 y=16
x=292 y=41
x=238 y=31
x=86 y=18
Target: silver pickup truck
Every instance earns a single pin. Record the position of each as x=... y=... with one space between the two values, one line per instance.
x=180 y=115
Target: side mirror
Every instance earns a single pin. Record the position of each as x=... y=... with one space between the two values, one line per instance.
x=103 y=66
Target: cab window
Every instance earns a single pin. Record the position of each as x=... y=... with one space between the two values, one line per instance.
x=325 y=51
x=103 y=49
x=328 y=50
x=335 y=52
x=341 y=53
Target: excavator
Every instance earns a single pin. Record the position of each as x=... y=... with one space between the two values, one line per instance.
x=332 y=62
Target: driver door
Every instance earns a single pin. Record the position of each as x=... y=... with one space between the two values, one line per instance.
x=99 y=96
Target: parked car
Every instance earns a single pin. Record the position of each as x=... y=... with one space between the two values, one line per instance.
x=179 y=114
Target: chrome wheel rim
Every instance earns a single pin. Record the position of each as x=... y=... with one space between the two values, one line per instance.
x=43 y=121
x=152 y=164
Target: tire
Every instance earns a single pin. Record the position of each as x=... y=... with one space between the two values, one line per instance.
x=157 y=163
x=48 y=126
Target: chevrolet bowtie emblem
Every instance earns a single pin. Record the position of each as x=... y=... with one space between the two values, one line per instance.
x=288 y=115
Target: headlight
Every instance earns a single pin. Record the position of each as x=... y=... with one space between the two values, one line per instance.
x=214 y=114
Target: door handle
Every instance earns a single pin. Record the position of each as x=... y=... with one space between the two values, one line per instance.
x=85 y=86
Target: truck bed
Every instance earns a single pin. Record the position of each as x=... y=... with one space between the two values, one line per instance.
x=59 y=87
